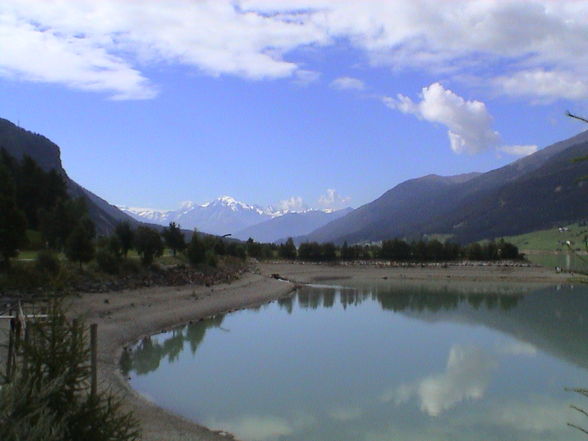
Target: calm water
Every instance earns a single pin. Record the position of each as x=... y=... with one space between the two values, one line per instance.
x=380 y=362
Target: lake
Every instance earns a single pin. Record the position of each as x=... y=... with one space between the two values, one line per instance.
x=380 y=362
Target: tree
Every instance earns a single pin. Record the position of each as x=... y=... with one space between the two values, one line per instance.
x=196 y=250
x=12 y=220
x=58 y=222
x=220 y=248
x=395 y=249
x=79 y=246
x=125 y=234
x=253 y=248
x=148 y=244
x=288 y=250
x=328 y=251
x=174 y=238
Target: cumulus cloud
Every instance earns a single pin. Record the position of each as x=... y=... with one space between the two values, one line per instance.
x=105 y=45
x=347 y=83
x=466 y=377
x=468 y=121
x=333 y=200
x=294 y=203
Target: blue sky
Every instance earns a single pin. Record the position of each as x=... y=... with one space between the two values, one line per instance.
x=277 y=102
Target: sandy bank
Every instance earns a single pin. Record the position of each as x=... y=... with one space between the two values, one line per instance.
x=124 y=317
x=490 y=273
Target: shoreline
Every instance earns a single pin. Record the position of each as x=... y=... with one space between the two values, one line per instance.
x=127 y=316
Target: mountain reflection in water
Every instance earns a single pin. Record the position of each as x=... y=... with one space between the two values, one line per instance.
x=548 y=319
x=379 y=362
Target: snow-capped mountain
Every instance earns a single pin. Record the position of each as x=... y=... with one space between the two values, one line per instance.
x=290 y=224
x=224 y=215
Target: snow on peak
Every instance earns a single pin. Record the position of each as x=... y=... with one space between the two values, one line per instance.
x=187 y=205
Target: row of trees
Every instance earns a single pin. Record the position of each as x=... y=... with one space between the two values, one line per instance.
x=149 y=244
x=395 y=249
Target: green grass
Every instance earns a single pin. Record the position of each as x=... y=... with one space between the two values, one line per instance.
x=551 y=239
x=27 y=255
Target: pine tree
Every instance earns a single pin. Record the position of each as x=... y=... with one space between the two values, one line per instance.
x=12 y=220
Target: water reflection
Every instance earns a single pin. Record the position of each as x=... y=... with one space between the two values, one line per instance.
x=565 y=314
x=148 y=353
x=378 y=362
x=466 y=376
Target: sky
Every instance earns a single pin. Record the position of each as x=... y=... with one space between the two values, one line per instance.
x=290 y=103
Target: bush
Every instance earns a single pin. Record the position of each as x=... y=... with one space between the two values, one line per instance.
x=48 y=398
x=211 y=259
x=47 y=261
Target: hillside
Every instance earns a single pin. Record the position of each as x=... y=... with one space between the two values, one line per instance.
x=19 y=142
x=531 y=193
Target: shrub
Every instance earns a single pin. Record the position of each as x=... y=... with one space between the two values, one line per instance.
x=211 y=259
x=48 y=398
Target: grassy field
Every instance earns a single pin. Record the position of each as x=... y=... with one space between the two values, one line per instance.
x=166 y=259
x=552 y=239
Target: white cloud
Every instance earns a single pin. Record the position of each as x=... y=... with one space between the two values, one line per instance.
x=106 y=45
x=517 y=348
x=306 y=77
x=294 y=203
x=466 y=377
x=347 y=83
x=518 y=150
x=545 y=84
x=97 y=45
x=333 y=200
x=345 y=413
x=469 y=122
x=256 y=428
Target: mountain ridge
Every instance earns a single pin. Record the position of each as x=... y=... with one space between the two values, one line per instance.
x=424 y=205
x=19 y=142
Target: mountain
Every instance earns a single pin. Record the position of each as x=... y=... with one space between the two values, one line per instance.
x=534 y=192
x=19 y=142
x=290 y=225
x=224 y=215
